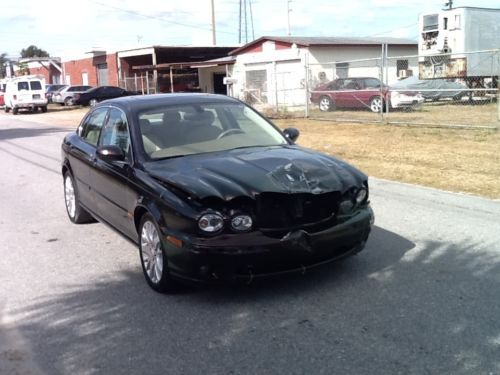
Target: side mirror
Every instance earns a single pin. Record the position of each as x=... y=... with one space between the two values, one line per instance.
x=110 y=153
x=291 y=133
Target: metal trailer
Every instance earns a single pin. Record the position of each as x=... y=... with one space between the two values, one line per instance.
x=461 y=42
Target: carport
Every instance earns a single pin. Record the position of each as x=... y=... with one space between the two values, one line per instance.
x=165 y=68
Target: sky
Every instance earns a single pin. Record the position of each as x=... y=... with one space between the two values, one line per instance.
x=69 y=29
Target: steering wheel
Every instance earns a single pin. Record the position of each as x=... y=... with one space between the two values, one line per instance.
x=230 y=131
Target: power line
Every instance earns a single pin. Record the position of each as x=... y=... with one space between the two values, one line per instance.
x=159 y=18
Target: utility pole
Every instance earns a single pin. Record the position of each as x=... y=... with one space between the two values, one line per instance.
x=245 y=6
x=214 y=42
x=288 y=17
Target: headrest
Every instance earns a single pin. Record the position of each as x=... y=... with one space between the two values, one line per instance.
x=170 y=117
x=200 y=118
x=145 y=125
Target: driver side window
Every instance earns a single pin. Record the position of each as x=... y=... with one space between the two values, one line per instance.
x=115 y=132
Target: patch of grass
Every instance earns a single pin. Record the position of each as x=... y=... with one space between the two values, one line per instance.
x=451 y=159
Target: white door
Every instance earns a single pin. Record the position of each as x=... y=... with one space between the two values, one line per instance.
x=85 y=79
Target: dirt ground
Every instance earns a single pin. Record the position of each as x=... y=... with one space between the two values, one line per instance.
x=450 y=159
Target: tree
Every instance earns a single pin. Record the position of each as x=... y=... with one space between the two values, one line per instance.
x=33 y=51
x=3 y=62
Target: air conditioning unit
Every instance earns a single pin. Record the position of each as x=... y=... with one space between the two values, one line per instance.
x=405 y=73
x=229 y=80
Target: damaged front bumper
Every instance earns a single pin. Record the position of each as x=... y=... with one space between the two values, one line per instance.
x=256 y=254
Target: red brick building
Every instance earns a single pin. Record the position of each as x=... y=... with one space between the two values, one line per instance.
x=99 y=70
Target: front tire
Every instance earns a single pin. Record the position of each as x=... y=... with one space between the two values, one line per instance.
x=326 y=104
x=68 y=101
x=6 y=109
x=376 y=104
x=15 y=110
x=44 y=109
x=75 y=212
x=154 y=257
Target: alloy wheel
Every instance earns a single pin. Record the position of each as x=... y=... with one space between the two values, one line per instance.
x=69 y=196
x=376 y=105
x=324 y=104
x=151 y=252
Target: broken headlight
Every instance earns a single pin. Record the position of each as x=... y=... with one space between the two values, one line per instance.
x=241 y=223
x=361 y=195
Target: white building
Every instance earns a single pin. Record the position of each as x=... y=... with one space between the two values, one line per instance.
x=280 y=70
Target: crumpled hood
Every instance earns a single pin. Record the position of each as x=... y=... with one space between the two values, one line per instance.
x=250 y=171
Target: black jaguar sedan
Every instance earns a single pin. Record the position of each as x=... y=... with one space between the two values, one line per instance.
x=211 y=190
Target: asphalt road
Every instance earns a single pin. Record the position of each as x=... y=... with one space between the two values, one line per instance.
x=423 y=298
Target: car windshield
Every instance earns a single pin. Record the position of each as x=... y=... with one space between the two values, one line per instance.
x=199 y=128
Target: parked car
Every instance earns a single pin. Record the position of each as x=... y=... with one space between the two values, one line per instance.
x=361 y=92
x=98 y=94
x=50 y=89
x=211 y=190
x=65 y=96
x=2 y=101
x=25 y=92
x=433 y=89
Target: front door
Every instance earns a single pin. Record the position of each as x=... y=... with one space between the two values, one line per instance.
x=109 y=180
x=219 y=86
x=102 y=73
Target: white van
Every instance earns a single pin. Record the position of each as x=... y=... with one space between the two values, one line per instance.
x=25 y=92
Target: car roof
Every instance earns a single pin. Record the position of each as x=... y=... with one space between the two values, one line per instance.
x=141 y=102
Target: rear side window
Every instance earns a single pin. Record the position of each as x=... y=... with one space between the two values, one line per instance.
x=23 y=85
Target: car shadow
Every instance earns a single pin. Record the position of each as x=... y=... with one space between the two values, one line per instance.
x=397 y=307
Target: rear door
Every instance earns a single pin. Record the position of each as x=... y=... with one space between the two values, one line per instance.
x=82 y=154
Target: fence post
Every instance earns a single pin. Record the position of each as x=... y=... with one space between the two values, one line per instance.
x=171 y=80
x=276 y=87
x=306 y=84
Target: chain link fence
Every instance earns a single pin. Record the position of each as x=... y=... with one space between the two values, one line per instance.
x=174 y=80
x=441 y=90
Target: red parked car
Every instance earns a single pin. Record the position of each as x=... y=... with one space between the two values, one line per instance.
x=361 y=92
x=2 y=92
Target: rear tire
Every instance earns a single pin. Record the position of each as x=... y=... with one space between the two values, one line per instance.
x=68 y=101
x=15 y=110
x=6 y=109
x=93 y=102
x=44 y=109
x=326 y=104
x=154 y=257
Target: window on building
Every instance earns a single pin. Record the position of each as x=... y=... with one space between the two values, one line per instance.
x=342 y=70
x=457 y=21
x=256 y=85
x=401 y=65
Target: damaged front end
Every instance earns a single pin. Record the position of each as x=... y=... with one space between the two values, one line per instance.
x=263 y=212
x=274 y=233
